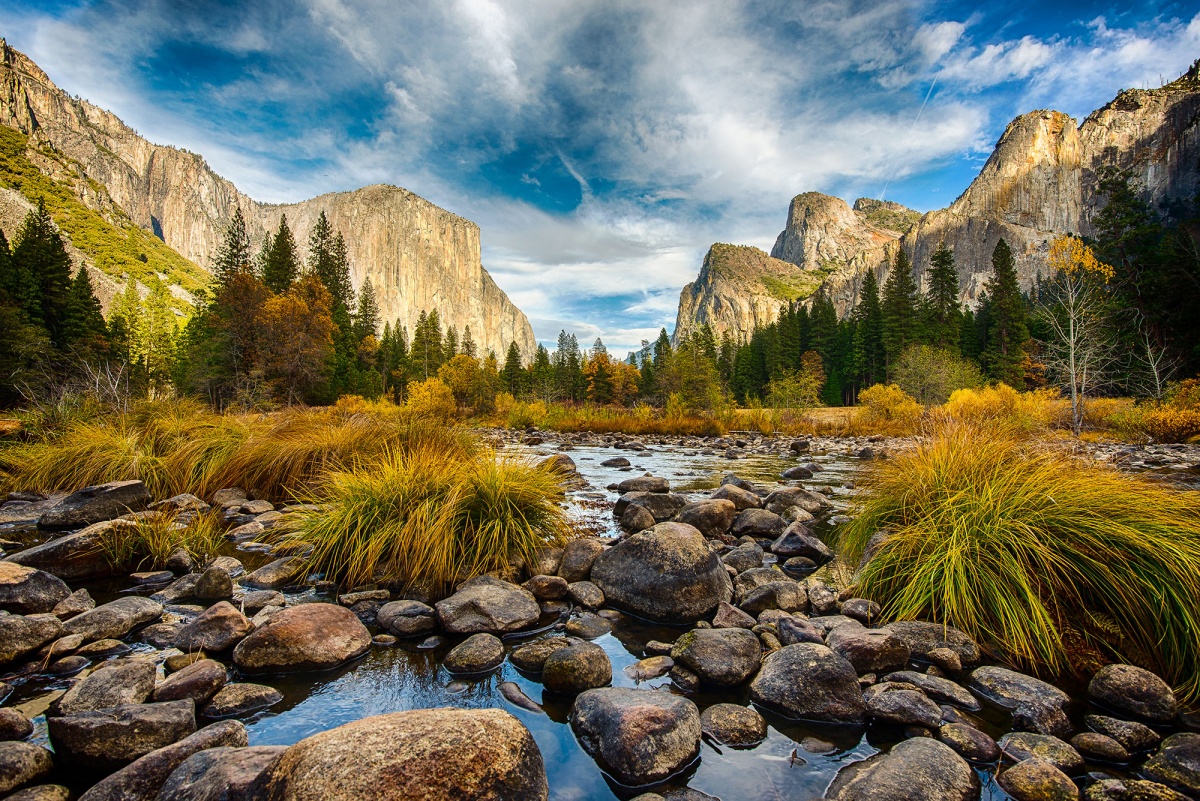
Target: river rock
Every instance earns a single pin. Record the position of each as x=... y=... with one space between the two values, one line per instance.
x=274 y=575
x=214 y=584
x=920 y=769
x=547 y=588
x=1100 y=747
x=22 y=764
x=14 y=725
x=639 y=737
x=585 y=594
x=41 y=792
x=636 y=518
x=741 y=498
x=730 y=617
x=576 y=668
x=531 y=657
x=487 y=604
x=712 y=518
x=786 y=497
x=76 y=603
x=29 y=591
x=793 y=630
x=240 y=698
x=811 y=682
x=306 y=637
x=115 y=619
x=969 y=742
x=941 y=690
x=744 y=557
x=406 y=618
x=644 y=484
x=1020 y=745
x=220 y=774
x=1132 y=736
x=904 y=708
x=218 y=628
x=734 y=725
x=1177 y=764
x=720 y=657
x=867 y=613
x=1011 y=689
x=749 y=580
x=797 y=540
x=199 y=681
x=785 y=595
x=145 y=777
x=1037 y=780
x=869 y=650
x=922 y=637
x=666 y=574
x=758 y=523
x=422 y=755
x=109 y=739
x=1133 y=692
x=1130 y=790
x=73 y=557
x=476 y=654
x=125 y=682
x=588 y=626
x=23 y=634
x=96 y=504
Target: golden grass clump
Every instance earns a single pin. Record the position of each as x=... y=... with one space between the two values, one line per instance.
x=146 y=541
x=420 y=518
x=1000 y=404
x=1031 y=551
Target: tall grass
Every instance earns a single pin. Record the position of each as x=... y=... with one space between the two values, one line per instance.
x=1033 y=552
x=420 y=518
x=147 y=541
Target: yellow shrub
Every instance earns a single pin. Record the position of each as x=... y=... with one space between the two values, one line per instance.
x=888 y=404
x=1000 y=403
x=1159 y=423
x=431 y=398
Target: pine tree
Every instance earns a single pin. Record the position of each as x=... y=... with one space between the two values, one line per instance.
x=155 y=332
x=899 y=306
x=320 y=250
x=425 y=353
x=84 y=326
x=337 y=278
x=512 y=373
x=468 y=343
x=122 y=317
x=233 y=257
x=450 y=344
x=943 y=320
x=281 y=262
x=366 y=319
x=542 y=374
x=868 y=351
x=42 y=273
x=1008 y=329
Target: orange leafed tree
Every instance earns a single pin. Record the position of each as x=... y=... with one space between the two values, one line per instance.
x=297 y=339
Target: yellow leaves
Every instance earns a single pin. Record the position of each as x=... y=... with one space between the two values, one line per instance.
x=1070 y=255
x=887 y=402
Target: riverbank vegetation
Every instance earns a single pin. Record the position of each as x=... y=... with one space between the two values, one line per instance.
x=1053 y=563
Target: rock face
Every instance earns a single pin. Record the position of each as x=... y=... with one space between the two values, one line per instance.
x=416 y=255
x=421 y=755
x=638 y=736
x=1039 y=182
x=666 y=574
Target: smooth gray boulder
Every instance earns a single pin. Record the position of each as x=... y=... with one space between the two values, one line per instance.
x=1014 y=690
x=734 y=725
x=26 y=590
x=712 y=517
x=809 y=682
x=723 y=657
x=126 y=682
x=920 y=769
x=476 y=654
x=576 y=668
x=922 y=637
x=96 y=504
x=869 y=650
x=115 y=619
x=109 y=739
x=638 y=737
x=487 y=604
x=1133 y=692
x=406 y=618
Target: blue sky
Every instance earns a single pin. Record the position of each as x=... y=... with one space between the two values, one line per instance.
x=601 y=146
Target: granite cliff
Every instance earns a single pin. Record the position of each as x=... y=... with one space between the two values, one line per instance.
x=1039 y=182
x=417 y=255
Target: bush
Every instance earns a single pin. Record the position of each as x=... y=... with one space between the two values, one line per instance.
x=930 y=375
x=422 y=519
x=146 y=542
x=431 y=398
x=889 y=407
x=1176 y=419
x=1002 y=405
x=1038 y=556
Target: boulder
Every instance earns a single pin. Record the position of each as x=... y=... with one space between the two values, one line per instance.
x=96 y=504
x=793 y=630
x=199 y=681
x=219 y=774
x=576 y=668
x=547 y=588
x=744 y=557
x=1011 y=689
x=306 y=637
x=868 y=612
x=106 y=740
x=661 y=505
x=920 y=769
x=588 y=626
x=76 y=603
x=712 y=518
x=487 y=604
x=1099 y=747
x=969 y=742
x=214 y=584
x=1177 y=764
x=125 y=682
x=22 y=764
x=616 y=461
x=810 y=682
x=730 y=617
x=785 y=595
x=750 y=580
x=546 y=561
x=941 y=690
x=585 y=594
x=1130 y=790
x=903 y=707
x=240 y=698
x=73 y=557
x=14 y=725
x=1133 y=692
x=218 y=628
x=274 y=575
x=577 y=558
x=638 y=737
x=636 y=518
x=421 y=755
x=797 y=540
x=742 y=499
x=720 y=657
x=41 y=792
x=812 y=502
x=406 y=618
x=1021 y=745
x=758 y=523
x=478 y=653
x=115 y=619
x=21 y=635
x=869 y=650
x=1133 y=737
x=644 y=484
x=145 y=777
x=733 y=725
x=532 y=657
x=29 y=591
x=1037 y=780
x=922 y=637
x=257 y=600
